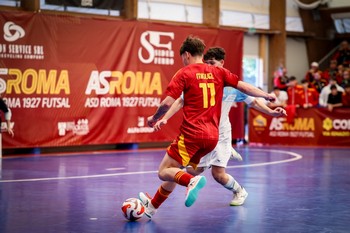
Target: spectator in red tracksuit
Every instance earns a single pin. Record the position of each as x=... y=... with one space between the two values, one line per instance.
x=346 y=96
x=293 y=102
x=309 y=96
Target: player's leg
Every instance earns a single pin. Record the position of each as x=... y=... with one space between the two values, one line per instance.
x=226 y=180
x=195 y=172
x=152 y=204
x=235 y=155
x=168 y=169
x=171 y=174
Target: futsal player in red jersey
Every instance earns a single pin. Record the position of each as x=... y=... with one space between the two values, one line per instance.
x=202 y=86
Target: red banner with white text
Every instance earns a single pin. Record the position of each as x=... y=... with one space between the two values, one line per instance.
x=78 y=80
x=312 y=127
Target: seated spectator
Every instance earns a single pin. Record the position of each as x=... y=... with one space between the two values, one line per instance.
x=326 y=91
x=331 y=71
x=346 y=96
x=313 y=70
x=318 y=82
x=281 y=79
x=309 y=96
x=334 y=98
x=343 y=54
x=281 y=98
x=340 y=69
x=294 y=92
x=346 y=78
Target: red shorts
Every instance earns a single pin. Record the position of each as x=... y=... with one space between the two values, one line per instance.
x=189 y=151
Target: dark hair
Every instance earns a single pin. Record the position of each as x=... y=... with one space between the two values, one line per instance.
x=193 y=45
x=304 y=81
x=292 y=78
x=276 y=88
x=347 y=85
x=333 y=87
x=216 y=53
x=332 y=79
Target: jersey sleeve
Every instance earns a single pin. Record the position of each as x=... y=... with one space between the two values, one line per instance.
x=240 y=97
x=176 y=85
x=230 y=79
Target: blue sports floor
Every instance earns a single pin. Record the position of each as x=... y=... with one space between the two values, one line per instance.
x=290 y=190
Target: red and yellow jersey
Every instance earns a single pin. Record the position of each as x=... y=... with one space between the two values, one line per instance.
x=294 y=95
x=202 y=86
x=309 y=96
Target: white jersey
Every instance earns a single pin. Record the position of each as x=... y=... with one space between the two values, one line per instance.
x=230 y=96
x=223 y=150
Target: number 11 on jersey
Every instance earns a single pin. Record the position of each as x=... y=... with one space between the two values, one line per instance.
x=205 y=87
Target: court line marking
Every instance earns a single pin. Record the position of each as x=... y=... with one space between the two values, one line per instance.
x=115 y=168
x=296 y=156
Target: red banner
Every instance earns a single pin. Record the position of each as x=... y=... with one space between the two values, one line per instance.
x=76 y=80
x=315 y=126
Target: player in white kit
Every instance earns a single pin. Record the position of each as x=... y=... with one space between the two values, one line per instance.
x=217 y=159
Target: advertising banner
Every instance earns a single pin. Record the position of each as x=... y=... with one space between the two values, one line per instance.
x=79 y=80
x=314 y=127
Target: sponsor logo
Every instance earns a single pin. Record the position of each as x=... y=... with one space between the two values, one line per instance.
x=336 y=127
x=337 y=124
x=156 y=48
x=81 y=127
x=141 y=127
x=327 y=124
x=260 y=121
x=13 y=32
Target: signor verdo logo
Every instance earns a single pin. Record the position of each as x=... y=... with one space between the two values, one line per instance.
x=156 y=48
x=12 y=32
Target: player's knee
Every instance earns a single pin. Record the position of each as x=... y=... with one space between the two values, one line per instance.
x=218 y=175
x=161 y=174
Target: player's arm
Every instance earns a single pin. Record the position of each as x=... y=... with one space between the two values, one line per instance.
x=175 y=107
x=260 y=106
x=8 y=116
x=173 y=92
x=253 y=91
x=162 y=109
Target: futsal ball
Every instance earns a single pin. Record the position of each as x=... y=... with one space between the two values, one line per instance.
x=133 y=209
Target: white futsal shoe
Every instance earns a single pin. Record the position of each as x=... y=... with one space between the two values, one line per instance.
x=196 y=183
x=239 y=197
x=146 y=201
x=235 y=155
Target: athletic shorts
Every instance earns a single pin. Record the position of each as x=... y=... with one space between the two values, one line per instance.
x=188 y=151
x=219 y=156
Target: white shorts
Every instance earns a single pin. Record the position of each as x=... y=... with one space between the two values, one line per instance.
x=219 y=156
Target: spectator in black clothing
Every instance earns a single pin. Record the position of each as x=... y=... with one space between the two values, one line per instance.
x=7 y=114
x=334 y=98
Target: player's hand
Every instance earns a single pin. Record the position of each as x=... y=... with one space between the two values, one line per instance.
x=151 y=121
x=159 y=124
x=279 y=112
x=10 y=131
x=270 y=97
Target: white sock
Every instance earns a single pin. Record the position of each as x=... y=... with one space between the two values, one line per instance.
x=232 y=184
